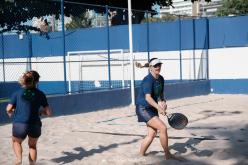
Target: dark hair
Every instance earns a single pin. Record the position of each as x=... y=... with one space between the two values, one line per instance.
x=146 y=65
x=35 y=75
x=29 y=79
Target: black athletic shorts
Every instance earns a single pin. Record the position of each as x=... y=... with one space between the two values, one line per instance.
x=145 y=113
x=21 y=130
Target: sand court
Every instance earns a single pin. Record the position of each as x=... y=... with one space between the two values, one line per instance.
x=216 y=134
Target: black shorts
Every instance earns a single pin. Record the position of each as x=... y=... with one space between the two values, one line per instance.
x=145 y=113
x=21 y=130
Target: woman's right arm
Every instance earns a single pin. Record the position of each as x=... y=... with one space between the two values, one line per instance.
x=151 y=101
x=46 y=111
x=10 y=109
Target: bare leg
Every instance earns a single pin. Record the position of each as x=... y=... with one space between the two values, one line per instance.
x=147 y=140
x=17 y=147
x=32 y=142
x=158 y=124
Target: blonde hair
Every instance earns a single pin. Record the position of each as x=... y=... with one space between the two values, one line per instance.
x=29 y=79
x=146 y=65
x=139 y=65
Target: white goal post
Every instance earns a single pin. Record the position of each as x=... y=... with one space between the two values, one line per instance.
x=120 y=55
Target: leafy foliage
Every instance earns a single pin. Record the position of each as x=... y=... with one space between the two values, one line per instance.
x=233 y=7
x=165 y=17
x=14 y=14
x=198 y=0
x=81 y=21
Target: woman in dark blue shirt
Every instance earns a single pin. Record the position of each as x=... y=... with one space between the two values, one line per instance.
x=24 y=106
x=151 y=103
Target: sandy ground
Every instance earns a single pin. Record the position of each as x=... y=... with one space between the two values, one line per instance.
x=217 y=134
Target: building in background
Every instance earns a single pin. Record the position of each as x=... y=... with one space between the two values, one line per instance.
x=180 y=7
x=198 y=8
x=156 y=8
x=53 y=23
x=209 y=9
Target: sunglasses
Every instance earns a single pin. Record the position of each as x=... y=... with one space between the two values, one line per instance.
x=157 y=65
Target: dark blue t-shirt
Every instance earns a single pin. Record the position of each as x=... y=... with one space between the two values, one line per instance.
x=150 y=85
x=27 y=103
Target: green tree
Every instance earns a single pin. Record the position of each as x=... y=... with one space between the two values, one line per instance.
x=199 y=0
x=82 y=21
x=15 y=13
x=233 y=7
x=163 y=18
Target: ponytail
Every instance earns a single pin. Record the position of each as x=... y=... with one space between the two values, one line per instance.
x=146 y=65
x=139 y=65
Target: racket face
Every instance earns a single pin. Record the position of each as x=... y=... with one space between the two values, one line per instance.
x=178 y=120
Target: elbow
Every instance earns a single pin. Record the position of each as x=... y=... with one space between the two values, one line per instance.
x=148 y=98
x=49 y=112
x=9 y=108
x=46 y=111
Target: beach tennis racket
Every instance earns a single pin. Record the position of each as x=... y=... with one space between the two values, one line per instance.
x=177 y=120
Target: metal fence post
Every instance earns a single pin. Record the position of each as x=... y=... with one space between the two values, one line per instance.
x=148 y=37
x=131 y=56
x=3 y=57
x=30 y=52
x=63 y=42
x=108 y=46
x=207 y=45
x=194 y=71
x=180 y=46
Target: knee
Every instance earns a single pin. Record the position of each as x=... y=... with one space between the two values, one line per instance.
x=32 y=145
x=163 y=129
x=16 y=140
x=152 y=135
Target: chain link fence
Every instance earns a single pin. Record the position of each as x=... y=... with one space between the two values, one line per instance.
x=85 y=47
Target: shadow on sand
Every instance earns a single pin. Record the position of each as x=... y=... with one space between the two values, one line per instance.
x=236 y=139
x=80 y=153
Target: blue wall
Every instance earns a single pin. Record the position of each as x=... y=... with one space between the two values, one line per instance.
x=98 y=100
x=173 y=89
x=228 y=32
x=186 y=89
x=6 y=89
x=229 y=86
x=223 y=32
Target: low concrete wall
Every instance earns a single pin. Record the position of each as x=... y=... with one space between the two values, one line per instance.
x=6 y=89
x=104 y=99
x=229 y=86
x=187 y=89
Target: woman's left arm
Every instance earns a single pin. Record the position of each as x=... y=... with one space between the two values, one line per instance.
x=46 y=111
x=162 y=101
x=163 y=104
x=10 y=109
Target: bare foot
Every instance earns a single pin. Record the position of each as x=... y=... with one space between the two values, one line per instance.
x=141 y=155
x=31 y=163
x=173 y=157
x=18 y=162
